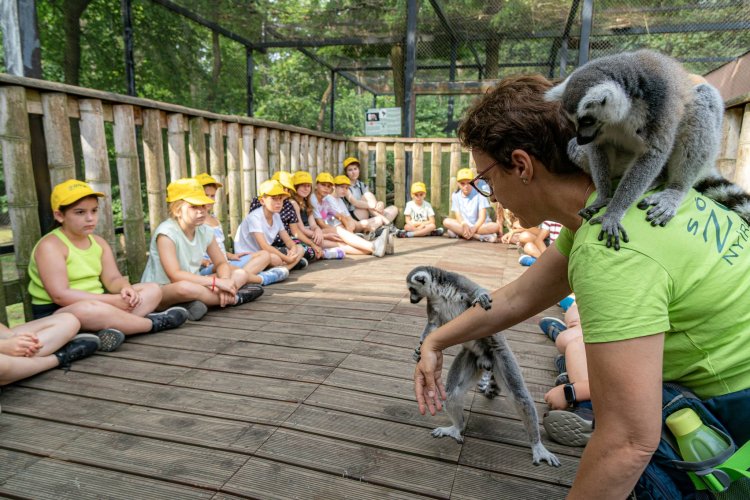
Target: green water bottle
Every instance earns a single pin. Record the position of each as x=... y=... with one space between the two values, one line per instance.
x=697 y=442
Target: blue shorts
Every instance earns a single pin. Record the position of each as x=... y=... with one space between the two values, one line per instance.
x=205 y=271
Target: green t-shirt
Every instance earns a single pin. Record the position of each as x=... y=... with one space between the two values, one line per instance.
x=189 y=252
x=690 y=279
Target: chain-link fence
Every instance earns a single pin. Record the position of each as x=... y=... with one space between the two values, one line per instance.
x=298 y=61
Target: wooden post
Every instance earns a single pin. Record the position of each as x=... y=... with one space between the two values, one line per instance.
x=312 y=156
x=274 y=151
x=472 y=163
x=320 y=160
x=248 y=168
x=380 y=171
x=128 y=173
x=197 y=146
x=351 y=149
x=417 y=163
x=233 y=185
x=742 y=170
x=153 y=161
x=96 y=164
x=364 y=159
x=330 y=167
x=455 y=165
x=176 y=146
x=294 y=160
x=261 y=158
x=218 y=171
x=341 y=156
x=19 y=182
x=436 y=183
x=285 y=151
x=3 y=301
x=399 y=171
x=60 y=158
x=729 y=142
x=303 y=155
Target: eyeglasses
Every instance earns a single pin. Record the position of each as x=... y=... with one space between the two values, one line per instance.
x=484 y=188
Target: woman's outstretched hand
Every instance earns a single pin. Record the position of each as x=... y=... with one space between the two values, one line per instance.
x=428 y=386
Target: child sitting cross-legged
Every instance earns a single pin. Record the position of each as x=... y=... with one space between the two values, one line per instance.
x=419 y=215
x=260 y=228
x=176 y=252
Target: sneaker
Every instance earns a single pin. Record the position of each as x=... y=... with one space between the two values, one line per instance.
x=334 y=253
x=110 y=339
x=552 y=327
x=301 y=264
x=248 y=293
x=363 y=235
x=401 y=234
x=379 y=245
x=196 y=309
x=569 y=427
x=488 y=238
x=274 y=275
x=389 y=246
x=438 y=232
x=82 y=346
x=166 y=320
x=562 y=379
x=526 y=260
x=560 y=363
x=451 y=234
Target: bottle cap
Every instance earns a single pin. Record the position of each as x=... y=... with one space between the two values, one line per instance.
x=683 y=422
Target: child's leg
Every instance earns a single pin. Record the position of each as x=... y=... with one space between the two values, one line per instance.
x=95 y=315
x=488 y=228
x=352 y=240
x=150 y=297
x=423 y=230
x=369 y=225
x=186 y=291
x=259 y=261
x=390 y=213
x=14 y=368
x=452 y=224
x=300 y=254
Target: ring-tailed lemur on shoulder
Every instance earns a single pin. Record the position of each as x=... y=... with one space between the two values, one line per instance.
x=641 y=117
x=448 y=295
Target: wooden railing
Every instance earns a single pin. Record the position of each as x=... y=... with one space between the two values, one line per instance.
x=239 y=151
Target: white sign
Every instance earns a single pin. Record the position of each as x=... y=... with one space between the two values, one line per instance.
x=383 y=121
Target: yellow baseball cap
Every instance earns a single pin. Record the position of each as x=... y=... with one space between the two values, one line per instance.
x=342 y=179
x=69 y=192
x=301 y=177
x=285 y=178
x=418 y=187
x=465 y=174
x=271 y=187
x=350 y=160
x=187 y=189
x=205 y=179
x=324 y=177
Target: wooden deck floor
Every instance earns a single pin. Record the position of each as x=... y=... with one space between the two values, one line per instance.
x=305 y=393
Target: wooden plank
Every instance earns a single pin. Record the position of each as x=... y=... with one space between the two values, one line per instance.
x=260 y=478
x=516 y=461
x=57 y=138
x=245 y=385
x=167 y=355
x=321 y=156
x=359 y=462
x=58 y=407
x=197 y=144
x=312 y=156
x=476 y=484
x=218 y=170
x=13 y=463
x=399 y=174
x=95 y=386
x=187 y=338
x=371 y=383
x=261 y=156
x=53 y=479
x=349 y=303
x=380 y=171
x=290 y=354
x=152 y=458
x=130 y=369
x=176 y=146
x=294 y=153
x=302 y=341
x=417 y=165
x=248 y=167
x=364 y=162
x=273 y=151
x=268 y=368
x=372 y=431
x=436 y=181
x=303 y=319
x=153 y=159
x=96 y=164
x=233 y=186
x=36 y=436
x=318 y=330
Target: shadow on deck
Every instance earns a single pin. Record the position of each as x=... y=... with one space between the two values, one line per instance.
x=305 y=393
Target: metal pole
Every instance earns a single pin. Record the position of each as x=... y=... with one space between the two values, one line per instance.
x=452 y=78
x=587 y=18
x=250 y=69
x=127 y=35
x=409 y=70
x=333 y=99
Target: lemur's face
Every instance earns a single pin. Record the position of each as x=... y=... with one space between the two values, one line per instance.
x=417 y=281
x=603 y=104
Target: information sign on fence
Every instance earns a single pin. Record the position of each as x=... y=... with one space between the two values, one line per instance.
x=383 y=121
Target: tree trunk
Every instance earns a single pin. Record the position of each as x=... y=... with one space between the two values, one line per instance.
x=492 y=49
x=215 y=72
x=73 y=10
x=323 y=105
x=397 y=63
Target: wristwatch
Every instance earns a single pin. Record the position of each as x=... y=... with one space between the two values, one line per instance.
x=570 y=394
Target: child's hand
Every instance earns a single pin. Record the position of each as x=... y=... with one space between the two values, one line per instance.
x=131 y=296
x=317 y=236
x=225 y=285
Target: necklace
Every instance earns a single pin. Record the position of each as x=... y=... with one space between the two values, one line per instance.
x=586 y=194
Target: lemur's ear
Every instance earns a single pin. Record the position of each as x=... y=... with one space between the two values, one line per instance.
x=556 y=92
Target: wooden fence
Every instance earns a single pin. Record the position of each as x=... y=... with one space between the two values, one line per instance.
x=240 y=152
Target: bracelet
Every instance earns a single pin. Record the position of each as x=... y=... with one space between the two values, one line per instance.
x=213 y=283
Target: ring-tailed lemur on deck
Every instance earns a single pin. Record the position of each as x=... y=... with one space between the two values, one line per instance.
x=448 y=295
x=640 y=116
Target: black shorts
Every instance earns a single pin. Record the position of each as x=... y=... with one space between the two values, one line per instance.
x=39 y=311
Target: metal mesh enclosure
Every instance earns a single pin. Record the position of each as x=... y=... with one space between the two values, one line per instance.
x=288 y=60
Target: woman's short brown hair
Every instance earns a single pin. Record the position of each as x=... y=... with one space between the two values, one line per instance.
x=514 y=115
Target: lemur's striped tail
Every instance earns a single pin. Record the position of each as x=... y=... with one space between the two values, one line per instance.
x=727 y=193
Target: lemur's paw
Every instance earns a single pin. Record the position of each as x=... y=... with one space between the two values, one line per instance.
x=451 y=431
x=483 y=300
x=612 y=229
x=591 y=210
x=540 y=453
x=664 y=205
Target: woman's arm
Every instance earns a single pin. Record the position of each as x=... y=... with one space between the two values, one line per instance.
x=542 y=285
x=50 y=257
x=627 y=403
